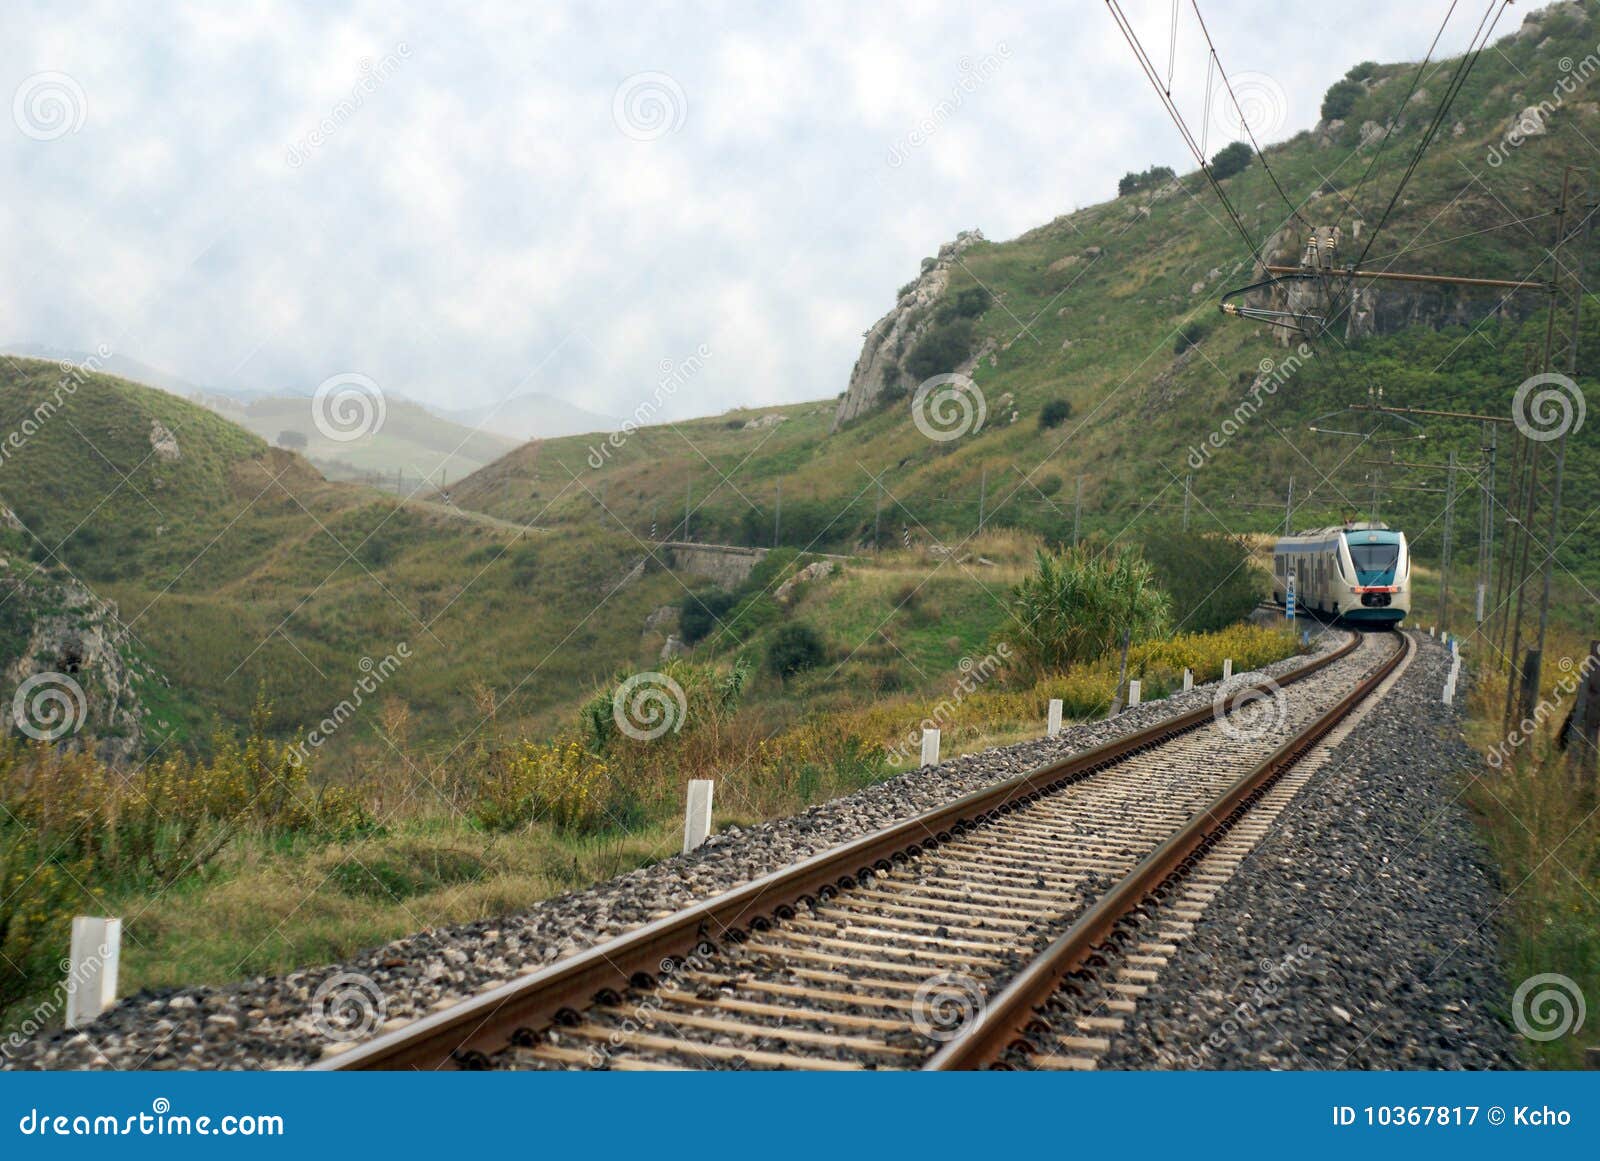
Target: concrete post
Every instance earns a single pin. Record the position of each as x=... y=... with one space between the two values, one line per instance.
x=92 y=968
x=697 y=814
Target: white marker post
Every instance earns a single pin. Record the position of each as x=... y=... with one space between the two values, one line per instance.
x=930 y=747
x=697 y=814
x=92 y=968
x=1052 y=725
x=1188 y=680
x=1133 y=693
x=1227 y=668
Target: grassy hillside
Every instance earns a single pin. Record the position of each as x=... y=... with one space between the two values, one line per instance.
x=413 y=444
x=1093 y=308
x=239 y=568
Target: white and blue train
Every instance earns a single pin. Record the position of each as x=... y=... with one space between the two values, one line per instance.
x=1359 y=572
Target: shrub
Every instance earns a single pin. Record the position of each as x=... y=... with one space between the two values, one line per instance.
x=1363 y=71
x=1155 y=176
x=968 y=303
x=1230 y=159
x=1211 y=579
x=1054 y=414
x=942 y=349
x=1189 y=335
x=793 y=649
x=701 y=612
x=1340 y=99
x=1078 y=603
x=560 y=783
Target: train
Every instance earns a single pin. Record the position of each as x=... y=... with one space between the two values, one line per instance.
x=1359 y=572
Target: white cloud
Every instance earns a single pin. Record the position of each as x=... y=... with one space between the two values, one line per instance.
x=479 y=223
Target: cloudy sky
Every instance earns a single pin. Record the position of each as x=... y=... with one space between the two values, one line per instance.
x=469 y=200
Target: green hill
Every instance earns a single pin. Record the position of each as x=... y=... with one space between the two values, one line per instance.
x=1113 y=310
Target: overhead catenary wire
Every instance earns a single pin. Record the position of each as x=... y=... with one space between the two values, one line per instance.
x=1394 y=118
x=1294 y=210
x=1154 y=77
x=1475 y=47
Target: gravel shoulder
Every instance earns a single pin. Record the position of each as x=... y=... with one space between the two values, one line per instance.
x=273 y=1022
x=1360 y=933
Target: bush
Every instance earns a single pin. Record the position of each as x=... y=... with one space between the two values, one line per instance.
x=1156 y=175
x=968 y=303
x=1189 y=335
x=702 y=612
x=1211 y=579
x=942 y=349
x=1363 y=71
x=1230 y=159
x=1340 y=99
x=1077 y=605
x=793 y=649
x=1054 y=414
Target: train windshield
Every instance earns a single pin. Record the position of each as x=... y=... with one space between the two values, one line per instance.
x=1374 y=558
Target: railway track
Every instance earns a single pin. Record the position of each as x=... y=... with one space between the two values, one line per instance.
x=1016 y=926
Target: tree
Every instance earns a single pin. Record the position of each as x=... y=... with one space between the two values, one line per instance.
x=1054 y=414
x=1340 y=99
x=795 y=648
x=701 y=612
x=293 y=440
x=942 y=349
x=1211 y=580
x=1363 y=71
x=1231 y=159
x=1079 y=604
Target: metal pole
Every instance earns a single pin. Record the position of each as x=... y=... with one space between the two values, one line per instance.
x=1444 y=543
x=1077 y=512
x=688 y=489
x=777 y=516
x=983 y=489
x=1554 y=537
x=1288 y=510
x=877 y=519
x=1188 y=483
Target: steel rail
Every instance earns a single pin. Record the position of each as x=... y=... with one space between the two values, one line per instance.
x=456 y=1036
x=1004 y=1020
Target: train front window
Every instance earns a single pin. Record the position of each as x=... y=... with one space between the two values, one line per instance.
x=1374 y=558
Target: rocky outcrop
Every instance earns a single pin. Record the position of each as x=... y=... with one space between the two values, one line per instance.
x=787 y=592
x=67 y=669
x=879 y=368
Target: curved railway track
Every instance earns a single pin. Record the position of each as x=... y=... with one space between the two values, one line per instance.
x=942 y=942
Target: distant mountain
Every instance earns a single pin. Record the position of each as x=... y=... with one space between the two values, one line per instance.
x=124 y=368
x=532 y=416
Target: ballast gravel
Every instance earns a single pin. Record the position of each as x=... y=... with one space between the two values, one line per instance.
x=1360 y=933
x=279 y=1021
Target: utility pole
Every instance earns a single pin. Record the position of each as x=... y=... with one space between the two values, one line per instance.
x=1077 y=513
x=1288 y=510
x=777 y=515
x=1574 y=290
x=1444 y=543
x=1188 y=486
x=983 y=489
x=877 y=520
x=688 y=489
